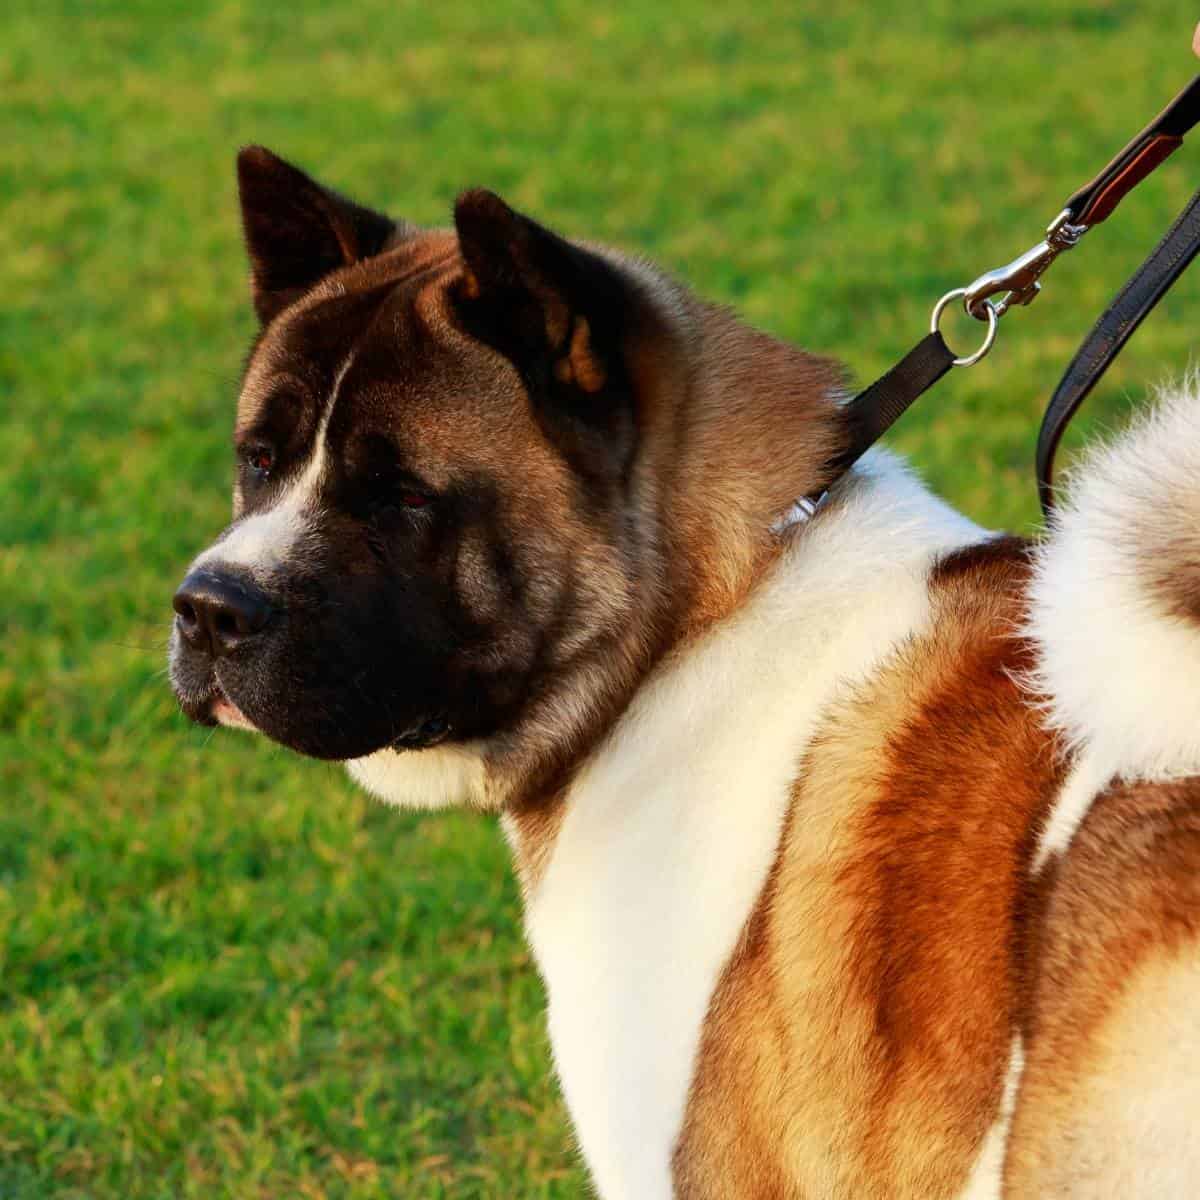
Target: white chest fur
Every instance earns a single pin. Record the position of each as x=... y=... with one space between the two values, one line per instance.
x=670 y=830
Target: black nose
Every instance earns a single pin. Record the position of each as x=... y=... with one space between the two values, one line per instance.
x=218 y=613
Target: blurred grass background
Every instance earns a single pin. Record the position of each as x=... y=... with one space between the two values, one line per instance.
x=224 y=973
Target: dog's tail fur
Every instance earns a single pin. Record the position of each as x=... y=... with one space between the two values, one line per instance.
x=1115 y=610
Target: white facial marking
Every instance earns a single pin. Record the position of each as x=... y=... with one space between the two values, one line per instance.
x=265 y=541
x=670 y=830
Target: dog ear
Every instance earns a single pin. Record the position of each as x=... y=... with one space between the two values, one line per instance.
x=542 y=301
x=297 y=231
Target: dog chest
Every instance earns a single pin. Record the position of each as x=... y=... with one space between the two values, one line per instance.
x=670 y=831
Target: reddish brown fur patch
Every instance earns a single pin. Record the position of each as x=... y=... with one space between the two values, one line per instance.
x=857 y=1042
x=579 y=365
x=1127 y=893
x=533 y=828
x=756 y=432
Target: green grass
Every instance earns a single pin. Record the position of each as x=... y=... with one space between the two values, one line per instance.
x=224 y=973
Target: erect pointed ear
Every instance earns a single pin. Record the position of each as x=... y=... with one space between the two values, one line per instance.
x=538 y=298
x=297 y=231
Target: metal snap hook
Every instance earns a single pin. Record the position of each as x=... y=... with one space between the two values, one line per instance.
x=993 y=321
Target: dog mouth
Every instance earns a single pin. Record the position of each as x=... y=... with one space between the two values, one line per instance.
x=213 y=707
x=225 y=712
x=234 y=695
x=421 y=734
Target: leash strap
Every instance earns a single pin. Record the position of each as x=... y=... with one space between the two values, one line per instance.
x=873 y=411
x=1145 y=288
x=1164 y=135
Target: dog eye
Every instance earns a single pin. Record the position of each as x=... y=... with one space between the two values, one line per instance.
x=388 y=488
x=260 y=459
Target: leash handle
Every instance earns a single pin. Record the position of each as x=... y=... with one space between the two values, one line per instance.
x=1145 y=288
x=1095 y=201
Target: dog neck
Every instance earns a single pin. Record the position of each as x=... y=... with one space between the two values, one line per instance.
x=733 y=427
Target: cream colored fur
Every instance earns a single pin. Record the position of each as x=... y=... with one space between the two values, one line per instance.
x=1128 y=1127
x=1121 y=673
x=1117 y=670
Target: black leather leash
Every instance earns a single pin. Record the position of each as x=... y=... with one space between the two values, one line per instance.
x=873 y=411
x=1134 y=302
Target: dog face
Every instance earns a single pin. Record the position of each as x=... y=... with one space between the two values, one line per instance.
x=435 y=444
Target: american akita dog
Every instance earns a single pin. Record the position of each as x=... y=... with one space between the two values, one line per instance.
x=860 y=854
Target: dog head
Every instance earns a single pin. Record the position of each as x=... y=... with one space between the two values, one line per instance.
x=452 y=540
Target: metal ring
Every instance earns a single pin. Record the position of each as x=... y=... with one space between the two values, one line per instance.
x=993 y=318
